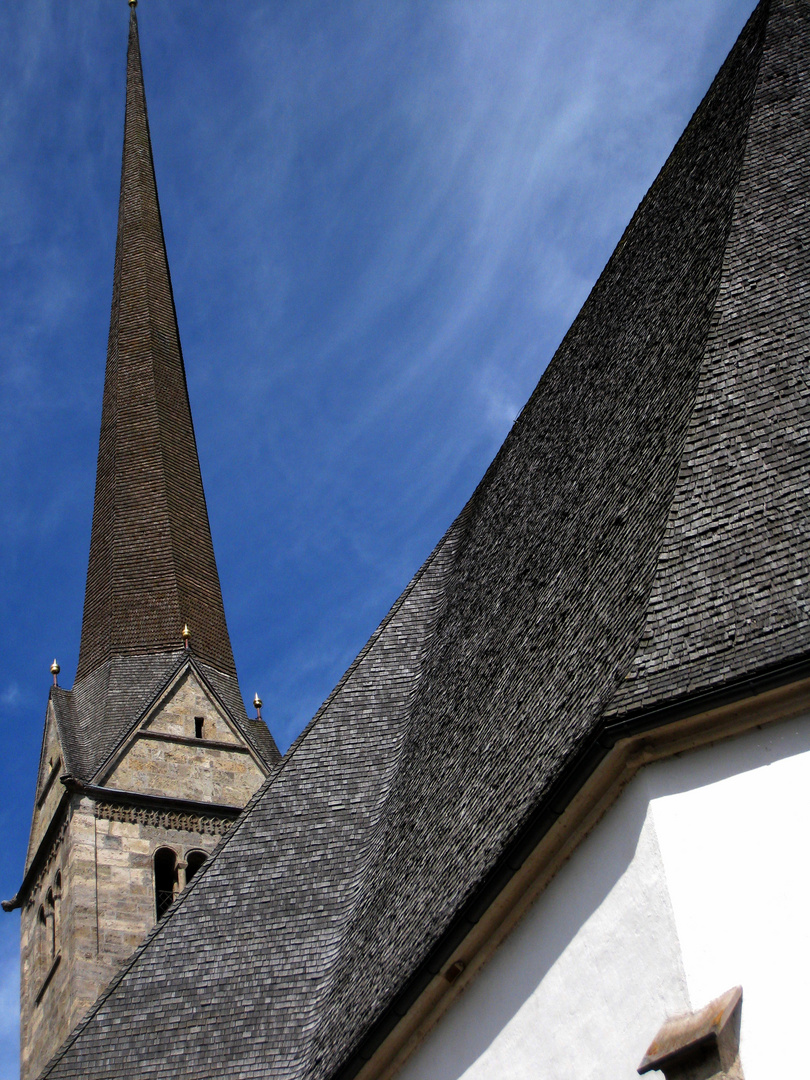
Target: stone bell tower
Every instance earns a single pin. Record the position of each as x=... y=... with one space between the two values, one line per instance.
x=151 y=756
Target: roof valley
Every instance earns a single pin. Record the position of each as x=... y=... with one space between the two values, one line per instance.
x=439 y=567
x=750 y=375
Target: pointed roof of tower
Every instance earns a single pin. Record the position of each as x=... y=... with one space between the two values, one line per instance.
x=638 y=539
x=152 y=566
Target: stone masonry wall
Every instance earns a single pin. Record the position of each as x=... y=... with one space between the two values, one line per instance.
x=96 y=888
x=49 y=790
x=107 y=905
x=175 y=714
x=178 y=770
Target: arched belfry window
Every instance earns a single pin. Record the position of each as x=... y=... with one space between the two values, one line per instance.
x=194 y=861
x=165 y=880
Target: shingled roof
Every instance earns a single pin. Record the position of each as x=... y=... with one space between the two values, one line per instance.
x=640 y=538
x=152 y=566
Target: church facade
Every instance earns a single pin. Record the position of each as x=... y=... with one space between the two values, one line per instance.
x=551 y=820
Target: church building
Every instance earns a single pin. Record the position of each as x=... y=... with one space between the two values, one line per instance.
x=552 y=820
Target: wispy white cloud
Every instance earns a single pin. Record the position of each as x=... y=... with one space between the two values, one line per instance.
x=10 y=695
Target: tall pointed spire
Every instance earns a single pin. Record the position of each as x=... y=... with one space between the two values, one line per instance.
x=152 y=566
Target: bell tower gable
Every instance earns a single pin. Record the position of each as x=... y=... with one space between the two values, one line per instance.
x=186 y=747
x=149 y=759
x=180 y=711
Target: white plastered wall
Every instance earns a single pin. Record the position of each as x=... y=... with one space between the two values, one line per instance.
x=695 y=881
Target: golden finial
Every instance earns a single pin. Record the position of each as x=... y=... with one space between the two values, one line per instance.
x=186 y=635
x=55 y=669
x=257 y=704
x=133 y=3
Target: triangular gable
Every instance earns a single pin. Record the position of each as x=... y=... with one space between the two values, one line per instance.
x=185 y=745
x=109 y=704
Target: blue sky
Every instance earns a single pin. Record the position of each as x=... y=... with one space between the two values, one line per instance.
x=380 y=219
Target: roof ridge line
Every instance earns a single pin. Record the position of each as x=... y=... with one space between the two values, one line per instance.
x=63 y=740
x=151 y=323
x=152 y=565
x=390 y=614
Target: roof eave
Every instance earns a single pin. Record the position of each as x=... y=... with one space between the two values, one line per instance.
x=581 y=766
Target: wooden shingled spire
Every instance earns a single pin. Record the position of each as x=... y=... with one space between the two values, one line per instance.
x=152 y=566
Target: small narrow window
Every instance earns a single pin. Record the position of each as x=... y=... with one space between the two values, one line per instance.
x=57 y=905
x=50 y=914
x=199 y=722
x=42 y=938
x=195 y=861
x=165 y=880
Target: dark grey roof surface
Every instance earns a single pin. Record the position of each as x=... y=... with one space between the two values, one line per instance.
x=152 y=565
x=67 y=727
x=583 y=546
x=731 y=591
x=108 y=701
